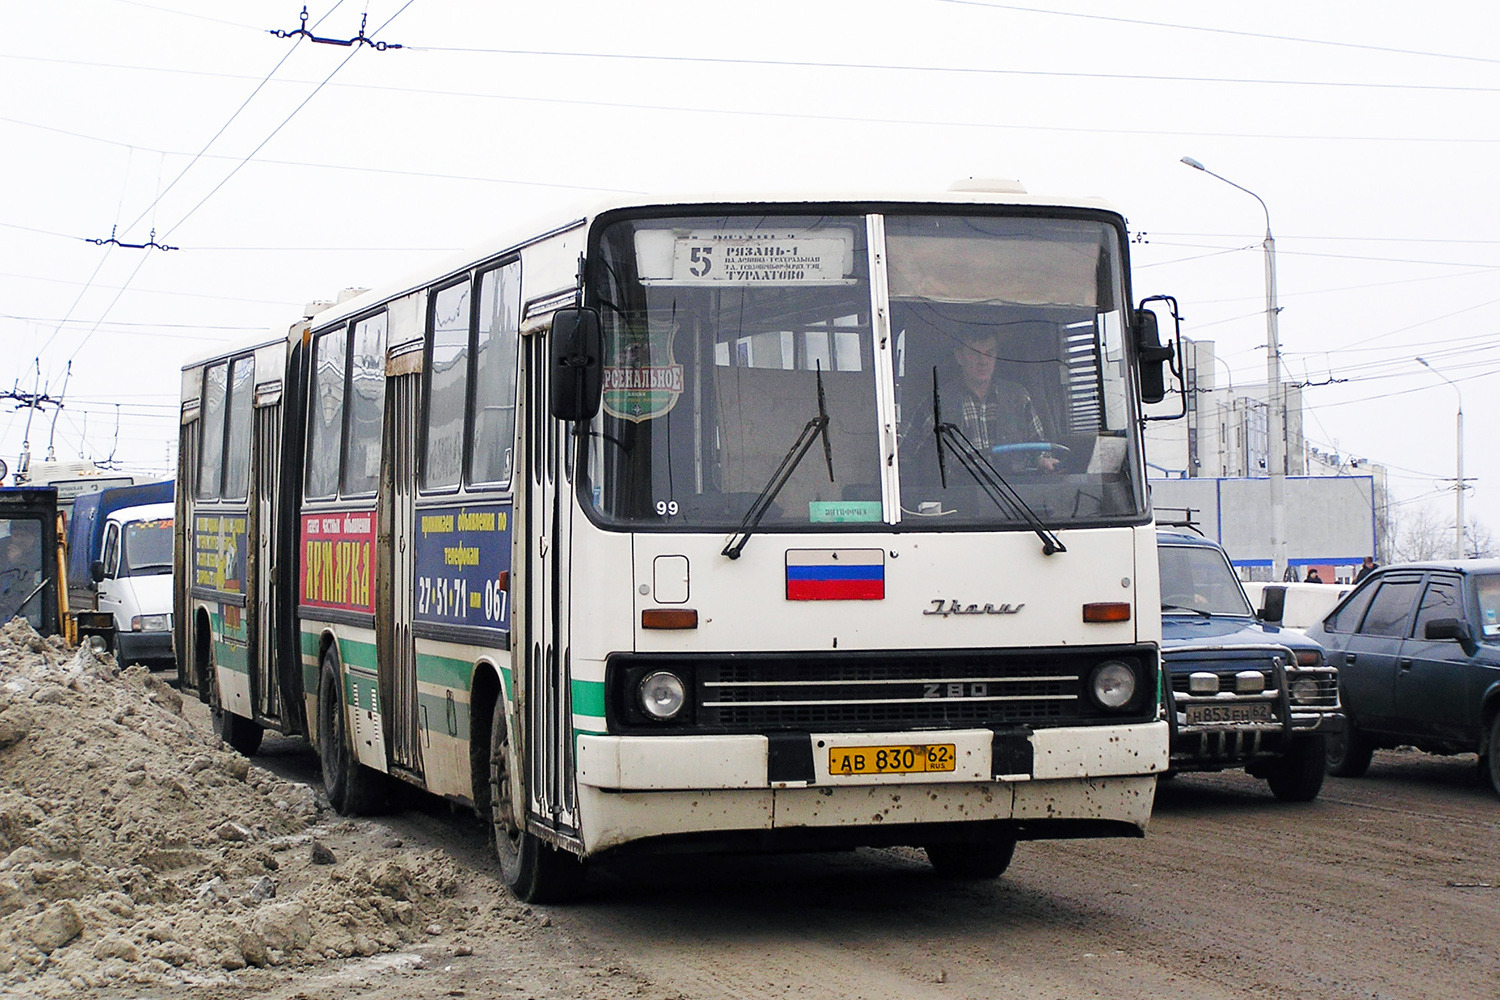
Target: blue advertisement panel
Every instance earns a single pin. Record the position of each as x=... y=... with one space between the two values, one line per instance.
x=463 y=565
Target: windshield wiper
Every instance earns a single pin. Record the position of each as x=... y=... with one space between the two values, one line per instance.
x=1179 y=607
x=811 y=431
x=986 y=475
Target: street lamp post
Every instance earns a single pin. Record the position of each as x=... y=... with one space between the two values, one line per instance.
x=1274 y=403
x=1458 y=485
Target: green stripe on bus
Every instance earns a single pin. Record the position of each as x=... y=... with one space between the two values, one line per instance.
x=355 y=653
x=588 y=697
x=232 y=657
x=444 y=671
x=435 y=716
x=310 y=643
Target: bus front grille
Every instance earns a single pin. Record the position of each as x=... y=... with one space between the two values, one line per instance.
x=834 y=692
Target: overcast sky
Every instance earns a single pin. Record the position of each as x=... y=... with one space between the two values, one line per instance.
x=1369 y=129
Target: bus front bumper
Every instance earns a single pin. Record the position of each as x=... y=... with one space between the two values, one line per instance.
x=1042 y=783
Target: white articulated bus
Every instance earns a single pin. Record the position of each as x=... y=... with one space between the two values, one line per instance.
x=720 y=524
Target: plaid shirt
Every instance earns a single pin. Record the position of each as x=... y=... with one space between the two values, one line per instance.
x=1005 y=416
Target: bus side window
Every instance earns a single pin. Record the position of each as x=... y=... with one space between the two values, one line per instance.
x=325 y=413
x=211 y=453
x=241 y=410
x=447 y=374
x=492 y=438
x=366 y=406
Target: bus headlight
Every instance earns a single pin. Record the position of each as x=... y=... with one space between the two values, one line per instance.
x=662 y=695
x=150 y=623
x=1112 y=684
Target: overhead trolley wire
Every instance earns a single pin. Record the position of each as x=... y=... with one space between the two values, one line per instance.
x=251 y=155
x=1321 y=136
x=246 y=159
x=1264 y=36
x=160 y=194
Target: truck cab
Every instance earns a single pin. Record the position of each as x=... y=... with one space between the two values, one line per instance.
x=132 y=581
x=30 y=567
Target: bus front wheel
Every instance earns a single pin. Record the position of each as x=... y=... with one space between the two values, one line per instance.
x=973 y=860
x=352 y=788
x=534 y=870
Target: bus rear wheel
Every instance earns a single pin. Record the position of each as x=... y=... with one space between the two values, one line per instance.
x=975 y=860
x=352 y=788
x=534 y=870
x=239 y=732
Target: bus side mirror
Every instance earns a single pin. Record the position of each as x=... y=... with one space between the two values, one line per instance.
x=576 y=357
x=96 y=571
x=1272 y=605
x=1154 y=357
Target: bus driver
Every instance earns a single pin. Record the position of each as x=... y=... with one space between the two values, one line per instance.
x=990 y=411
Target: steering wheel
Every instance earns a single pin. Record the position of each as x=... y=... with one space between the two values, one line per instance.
x=1027 y=446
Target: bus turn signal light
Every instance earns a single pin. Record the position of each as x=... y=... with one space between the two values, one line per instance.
x=669 y=618
x=1107 y=611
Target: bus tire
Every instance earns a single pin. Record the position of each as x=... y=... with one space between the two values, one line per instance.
x=352 y=788
x=242 y=734
x=534 y=870
x=974 y=860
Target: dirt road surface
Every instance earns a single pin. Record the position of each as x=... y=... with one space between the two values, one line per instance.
x=139 y=857
x=1387 y=886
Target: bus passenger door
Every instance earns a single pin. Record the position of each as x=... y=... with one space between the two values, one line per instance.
x=264 y=511
x=398 y=666
x=547 y=709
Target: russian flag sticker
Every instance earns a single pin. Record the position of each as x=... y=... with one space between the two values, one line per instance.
x=835 y=575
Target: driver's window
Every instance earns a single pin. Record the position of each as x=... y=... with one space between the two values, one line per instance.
x=111 y=550
x=1443 y=599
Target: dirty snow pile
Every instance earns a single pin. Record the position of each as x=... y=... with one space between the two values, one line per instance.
x=137 y=848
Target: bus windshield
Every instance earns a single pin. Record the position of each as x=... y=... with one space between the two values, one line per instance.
x=729 y=338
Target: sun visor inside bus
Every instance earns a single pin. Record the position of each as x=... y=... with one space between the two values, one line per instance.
x=986 y=269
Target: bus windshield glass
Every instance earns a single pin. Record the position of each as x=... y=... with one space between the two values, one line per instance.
x=728 y=339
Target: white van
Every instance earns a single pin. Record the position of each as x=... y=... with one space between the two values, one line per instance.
x=1295 y=605
x=133 y=581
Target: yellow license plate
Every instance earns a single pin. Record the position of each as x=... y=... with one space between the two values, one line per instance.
x=892 y=760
